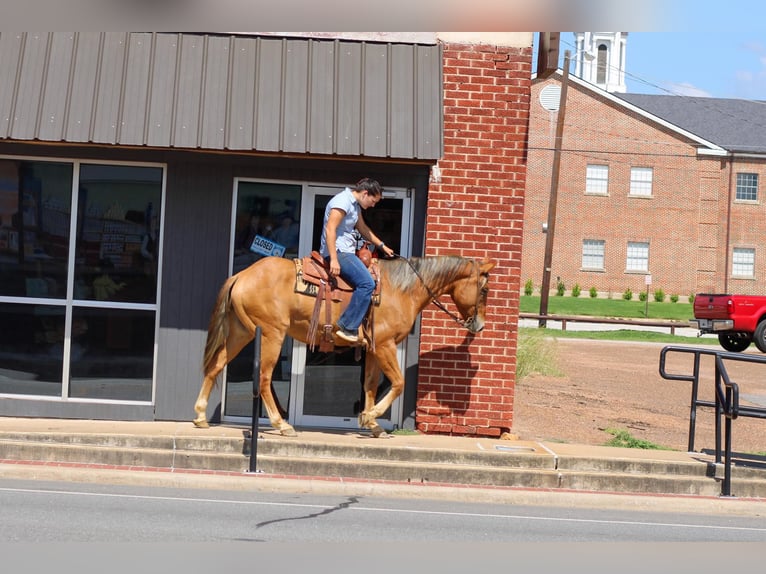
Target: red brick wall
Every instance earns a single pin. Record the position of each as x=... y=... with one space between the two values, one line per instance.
x=476 y=209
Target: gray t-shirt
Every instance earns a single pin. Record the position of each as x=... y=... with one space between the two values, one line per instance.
x=345 y=239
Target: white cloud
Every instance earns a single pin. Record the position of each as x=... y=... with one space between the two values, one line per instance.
x=685 y=89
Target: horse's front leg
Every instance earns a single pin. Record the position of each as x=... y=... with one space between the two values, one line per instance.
x=271 y=346
x=383 y=360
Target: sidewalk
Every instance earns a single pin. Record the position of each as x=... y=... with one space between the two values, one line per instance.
x=350 y=462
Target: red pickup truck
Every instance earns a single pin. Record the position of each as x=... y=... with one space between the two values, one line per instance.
x=738 y=320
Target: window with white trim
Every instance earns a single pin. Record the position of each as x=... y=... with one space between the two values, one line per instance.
x=593 y=254
x=743 y=262
x=747 y=187
x=597 y=179
x=641 y=181
x=638 y=256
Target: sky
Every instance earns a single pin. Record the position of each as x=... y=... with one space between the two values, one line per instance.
x=708 y=64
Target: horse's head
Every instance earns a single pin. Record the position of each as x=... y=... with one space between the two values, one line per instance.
x=470 y=295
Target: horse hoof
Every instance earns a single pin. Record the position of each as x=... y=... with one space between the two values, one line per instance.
x=378 y=432
x=201 y=423
x=288 y=431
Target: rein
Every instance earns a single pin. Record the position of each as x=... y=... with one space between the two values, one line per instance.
x=439 y=304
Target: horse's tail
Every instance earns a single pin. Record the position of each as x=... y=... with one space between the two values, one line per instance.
x=218 y=329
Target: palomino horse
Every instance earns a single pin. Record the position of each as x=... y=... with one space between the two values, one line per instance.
x=264 y=295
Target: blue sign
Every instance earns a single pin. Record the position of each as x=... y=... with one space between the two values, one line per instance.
x=267 y=247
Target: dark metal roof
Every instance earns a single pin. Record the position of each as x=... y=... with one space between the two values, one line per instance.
x=738 y=126
x=223 y=92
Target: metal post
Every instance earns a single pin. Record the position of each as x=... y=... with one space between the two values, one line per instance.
x=256 y=399
x=546 y=286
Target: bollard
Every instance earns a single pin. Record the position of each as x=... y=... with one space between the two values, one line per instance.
x=256 y=400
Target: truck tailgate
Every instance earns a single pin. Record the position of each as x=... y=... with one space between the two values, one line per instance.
x=711 y=306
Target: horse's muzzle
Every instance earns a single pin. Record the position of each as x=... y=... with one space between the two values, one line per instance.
x=474 y=324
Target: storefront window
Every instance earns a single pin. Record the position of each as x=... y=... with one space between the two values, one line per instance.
x=78 y=298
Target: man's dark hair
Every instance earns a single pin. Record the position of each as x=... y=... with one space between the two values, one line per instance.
x=369 y=185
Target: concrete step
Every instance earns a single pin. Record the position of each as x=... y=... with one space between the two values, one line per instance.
x=524 y=466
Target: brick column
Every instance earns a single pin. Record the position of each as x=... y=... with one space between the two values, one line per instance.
x=476 y=209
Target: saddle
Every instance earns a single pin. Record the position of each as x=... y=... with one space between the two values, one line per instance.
x=313 y=278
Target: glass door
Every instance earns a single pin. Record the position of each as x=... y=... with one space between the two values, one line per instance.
x=328 y=388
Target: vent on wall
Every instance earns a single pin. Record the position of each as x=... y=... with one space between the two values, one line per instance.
x=550 y=97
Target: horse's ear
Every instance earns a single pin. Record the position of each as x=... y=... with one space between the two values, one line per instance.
x=487 y=266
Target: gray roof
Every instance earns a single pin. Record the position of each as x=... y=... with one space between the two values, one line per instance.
x=738 y=126
x=223 y=92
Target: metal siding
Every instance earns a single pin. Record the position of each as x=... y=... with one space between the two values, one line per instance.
x=188 y=92
x=214 y=93
x=321 y=124
x=30 y=86
x=429 y=112
x=375 y=97
x=109 y=88
x=10 y=54
x=56 y=94
x=162 y=89
x=242 y=96
x=269 y=81
x=349 y=106
x=296 y=96
x=84 y=76
x=223 y=92
x=402 y=127
x=132 y=127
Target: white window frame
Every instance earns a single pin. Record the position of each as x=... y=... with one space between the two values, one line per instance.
x=747 y=187
x=641 y=181
x=743 y=262
x=597 y=179
x=637 y=257
x=593 y=254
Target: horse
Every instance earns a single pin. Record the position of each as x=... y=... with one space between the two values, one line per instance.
x=263 y=295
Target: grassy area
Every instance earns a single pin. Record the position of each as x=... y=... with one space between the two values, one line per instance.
x=598 y=307
x=622 y=438
x=623 y=335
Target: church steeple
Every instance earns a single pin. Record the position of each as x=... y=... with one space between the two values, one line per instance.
x=600 y=59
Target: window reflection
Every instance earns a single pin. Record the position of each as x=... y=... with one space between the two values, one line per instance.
x=35 y=207
x=118 y=233
x=31 y=349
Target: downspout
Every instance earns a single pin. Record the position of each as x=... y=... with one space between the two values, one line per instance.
x=728 y=226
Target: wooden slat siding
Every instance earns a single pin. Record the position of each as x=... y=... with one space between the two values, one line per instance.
x=109 y=88
x=375 y=94
x=195 y=264
x=85 y=74
x=188 y=98
x=348 y=112
x=162 y=105
x=215 y=92
x=321 y=98
x=401 y=131
x=56 y=96
x=269 y=94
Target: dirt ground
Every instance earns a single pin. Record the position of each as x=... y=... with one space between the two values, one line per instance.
x=606 y=384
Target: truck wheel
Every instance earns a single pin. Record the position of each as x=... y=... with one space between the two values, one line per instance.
x=759 y=337
x=736 y=342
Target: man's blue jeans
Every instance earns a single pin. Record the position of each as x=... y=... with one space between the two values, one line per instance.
x=357 y=275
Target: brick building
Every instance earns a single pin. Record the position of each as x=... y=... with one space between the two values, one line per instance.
x=112 y=141
x=664 y=186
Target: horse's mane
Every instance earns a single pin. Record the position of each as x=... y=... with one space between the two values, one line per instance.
x=435 y=271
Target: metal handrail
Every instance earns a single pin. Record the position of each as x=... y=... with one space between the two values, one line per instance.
x=726 y=402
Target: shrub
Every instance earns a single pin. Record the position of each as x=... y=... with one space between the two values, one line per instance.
x=627 y=294
x=593 y=293
x=560 y=288
x=659 y=295
x=529 y=287
x=642 y=296
x=674 y=298
x=576 y=290
x=691 y=297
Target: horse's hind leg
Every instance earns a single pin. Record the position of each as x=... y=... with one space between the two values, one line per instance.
x=271 y=347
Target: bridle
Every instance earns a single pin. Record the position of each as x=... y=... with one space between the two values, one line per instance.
x=481 y=292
